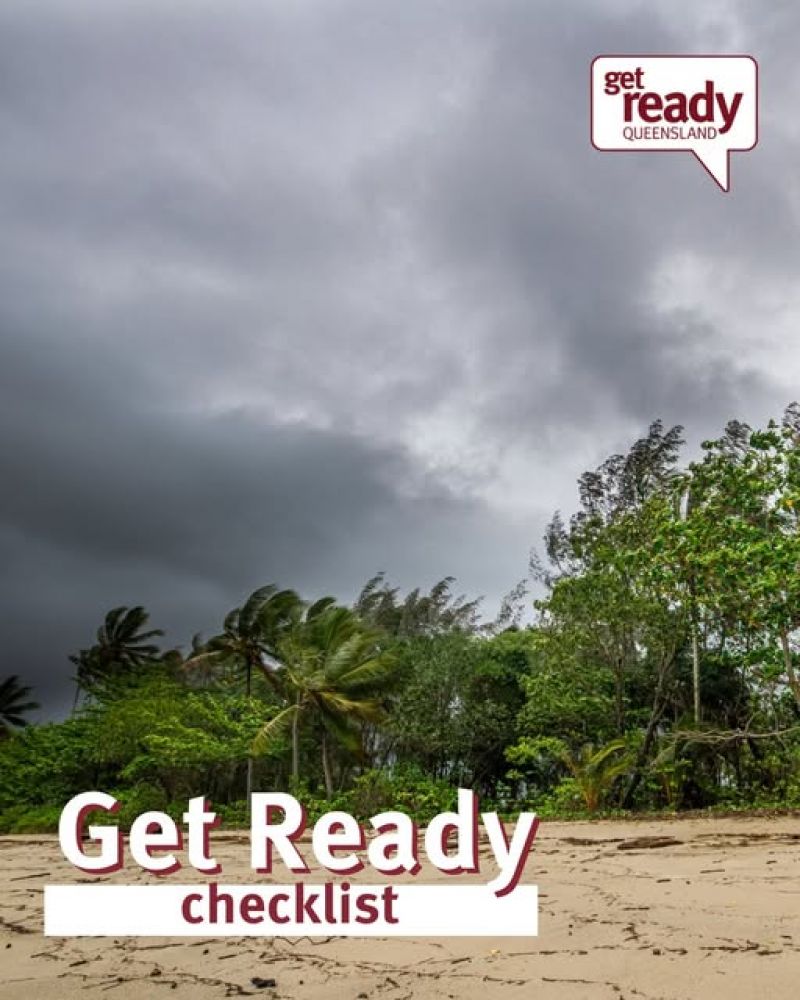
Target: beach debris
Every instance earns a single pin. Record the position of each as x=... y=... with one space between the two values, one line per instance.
x=588 y=841
x=263 y=984
x=648 y=843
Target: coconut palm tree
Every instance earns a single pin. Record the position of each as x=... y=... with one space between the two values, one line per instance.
x=15 y=703
x=251 y=634
x=333 y=670
x=123 y=644
x=249 y=640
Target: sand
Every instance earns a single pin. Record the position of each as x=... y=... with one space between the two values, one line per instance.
x=709 y=910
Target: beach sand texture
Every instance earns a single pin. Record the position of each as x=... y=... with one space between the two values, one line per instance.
x=663 y=910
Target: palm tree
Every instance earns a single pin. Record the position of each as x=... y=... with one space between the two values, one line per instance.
x=250 y=639
x=15 y=702
x=596 y=770
x=333 y=669
x=123 y=644
x=251 y=634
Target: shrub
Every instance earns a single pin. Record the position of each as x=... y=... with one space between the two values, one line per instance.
x=30 y=819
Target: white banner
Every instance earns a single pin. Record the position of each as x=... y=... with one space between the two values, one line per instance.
x=297 y=910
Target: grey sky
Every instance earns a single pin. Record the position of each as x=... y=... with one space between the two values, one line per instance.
x=299 y=291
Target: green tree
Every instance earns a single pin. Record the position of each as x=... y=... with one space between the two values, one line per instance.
x=161 y=733
x=250 y=641
x=743 y=542
x=609 y=605
x=124 y=644
x=457 y=703
x=334 y=671
x=438 y=611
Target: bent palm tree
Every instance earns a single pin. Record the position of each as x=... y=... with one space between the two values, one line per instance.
x=121 y=646
x=333 y=669
x=15 y=703
x=249 y=640
x=251 y=635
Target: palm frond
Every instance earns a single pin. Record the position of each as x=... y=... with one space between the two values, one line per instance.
x=271 y=731
x=253 y=605
x=369 y=709
x=206 y=659
x=318 y=607
x=15 y=703
x=342 y=730
x=369 y=674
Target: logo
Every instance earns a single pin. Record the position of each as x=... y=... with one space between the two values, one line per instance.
x=705 y=105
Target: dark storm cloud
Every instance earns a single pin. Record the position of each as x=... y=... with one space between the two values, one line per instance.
x=297 y=292
x=110 y=506
x=109 y=502
x=516 y=195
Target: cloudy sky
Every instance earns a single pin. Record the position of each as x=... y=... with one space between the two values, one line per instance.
x=300 y=291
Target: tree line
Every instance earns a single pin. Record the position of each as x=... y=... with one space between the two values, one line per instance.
x=656 y=669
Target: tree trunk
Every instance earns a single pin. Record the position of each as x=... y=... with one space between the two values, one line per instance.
x=694 y=625
x=619 y=695
x=249 y=790
x=659 y=704
x=248 y=691
x=326 y=766
x=791 y=674
x=296 y=744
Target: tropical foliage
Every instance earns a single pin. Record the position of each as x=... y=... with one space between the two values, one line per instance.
x=657 y=668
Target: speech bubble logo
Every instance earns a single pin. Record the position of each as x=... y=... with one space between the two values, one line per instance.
x=705 y=105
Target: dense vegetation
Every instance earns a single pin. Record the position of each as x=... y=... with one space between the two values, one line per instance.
x=659 y=670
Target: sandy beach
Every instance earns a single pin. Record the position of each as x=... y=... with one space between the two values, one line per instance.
x=663 y=910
